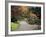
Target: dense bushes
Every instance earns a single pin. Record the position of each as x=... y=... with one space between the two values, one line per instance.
x=13 y=19
x=34 y=21
x=30 y=20
x=32 y=14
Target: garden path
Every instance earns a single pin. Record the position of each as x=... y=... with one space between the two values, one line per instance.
x=25 y=26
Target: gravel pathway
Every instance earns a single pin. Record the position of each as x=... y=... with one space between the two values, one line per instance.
x=25 y=26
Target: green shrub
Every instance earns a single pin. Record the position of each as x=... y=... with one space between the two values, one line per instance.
x=14 y=26
x=13 y=19
x=34 y=20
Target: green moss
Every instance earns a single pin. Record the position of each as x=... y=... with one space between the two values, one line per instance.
x=14 y=26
